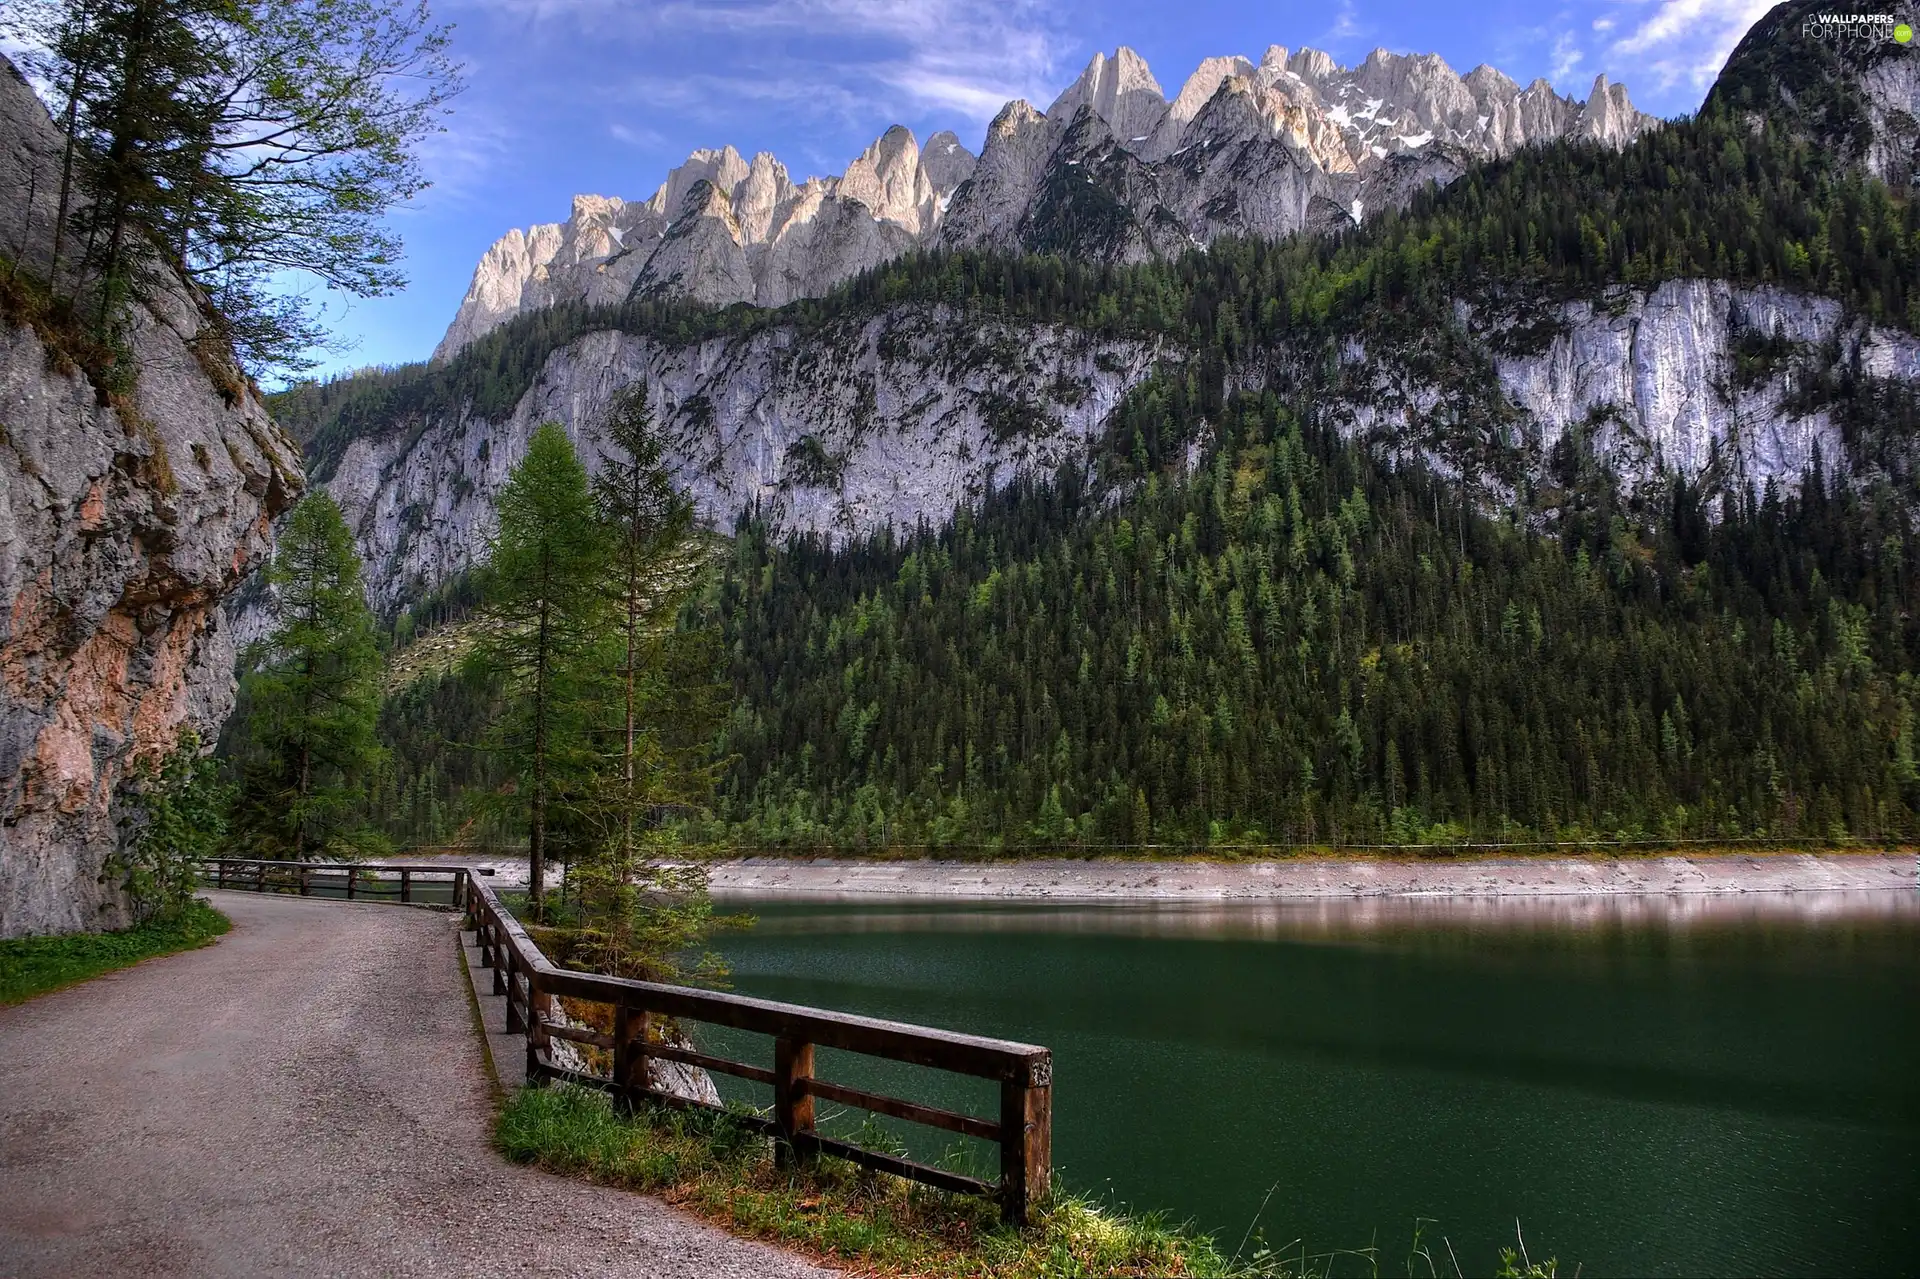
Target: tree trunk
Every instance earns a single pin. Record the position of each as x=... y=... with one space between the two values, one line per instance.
x=66 y=168
x=537 y=805
x=309 y=673
x=626 y=816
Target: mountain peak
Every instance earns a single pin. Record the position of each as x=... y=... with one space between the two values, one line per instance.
x=1120 y=90
x=1294 y=142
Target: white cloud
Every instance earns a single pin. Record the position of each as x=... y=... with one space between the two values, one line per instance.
x=458 y=159
x=1603 y=24
x=1687 y=41
x=635 y=137
x=1565 y=57
x=870 y=58
x=1346 y=26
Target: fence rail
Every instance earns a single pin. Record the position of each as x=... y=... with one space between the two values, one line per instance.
x=532 y=985
x=412 y=885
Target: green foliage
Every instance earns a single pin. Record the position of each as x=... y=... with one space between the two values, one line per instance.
x=634 y=912
x=726 y=1173
x=1810 y=85
x=1305 y=644
x=430 y=789
x=180 y=819
x=32 y=966
x=304 y=743
x=232 y=141
x=668 y=704
x=540 y=632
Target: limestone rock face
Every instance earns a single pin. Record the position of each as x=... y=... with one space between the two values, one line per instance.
x=123 y=528
x=1121 y=91
x=1891 y=91
x=721 y=229
x=1648 y=380
x=1110 y=171
x=903 y=416
x=869 y=421
x=1297 y=142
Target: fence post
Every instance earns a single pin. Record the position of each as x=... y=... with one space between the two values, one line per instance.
x=516 y=1018
x=792 y=1102
x=623 y=1054
x=536 y=1027
x=352 y=873
x=406 y=885
x=1026 y=1139
x=306 y=889
x=220 y=874
x=630 y=1080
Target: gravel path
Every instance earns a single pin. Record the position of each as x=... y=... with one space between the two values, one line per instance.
x=308 y=1096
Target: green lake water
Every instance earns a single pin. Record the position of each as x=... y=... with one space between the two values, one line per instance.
x=1652 y=1086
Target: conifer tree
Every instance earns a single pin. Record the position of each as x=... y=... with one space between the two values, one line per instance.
x=648 y=523
x=312 y=697
x=233 y=142
x=639 y=913
x=540 y=622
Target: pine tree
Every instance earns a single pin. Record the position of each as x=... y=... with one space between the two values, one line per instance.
x=541 y=618
x=647 y=524
x=640 y=915
x=313 y=696
x=234 y=141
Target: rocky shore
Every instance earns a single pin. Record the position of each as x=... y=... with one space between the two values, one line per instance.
x=1315 y=877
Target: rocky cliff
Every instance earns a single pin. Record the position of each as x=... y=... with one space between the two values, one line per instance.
x=901 y=416
x=1717 y=383
x=892 y=418
x=721 y=229
x=1835 y=73
x=1111 y=170
x=125 y=521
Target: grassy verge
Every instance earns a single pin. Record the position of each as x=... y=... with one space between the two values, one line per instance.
x=878 y=1224
x=32 y=966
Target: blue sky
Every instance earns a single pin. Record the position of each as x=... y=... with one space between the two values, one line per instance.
x=604 y=96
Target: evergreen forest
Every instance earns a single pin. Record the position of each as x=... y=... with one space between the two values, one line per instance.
x=1306 y=639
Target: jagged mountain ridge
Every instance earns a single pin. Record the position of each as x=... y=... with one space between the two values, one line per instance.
x=1111 y=171
x=719 y=230
x=1730 y=370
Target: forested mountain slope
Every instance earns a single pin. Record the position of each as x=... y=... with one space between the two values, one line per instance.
x=1709 y=297
x=1574 y=497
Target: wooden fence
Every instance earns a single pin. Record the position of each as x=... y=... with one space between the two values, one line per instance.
x=413 y=885
x=532 y=984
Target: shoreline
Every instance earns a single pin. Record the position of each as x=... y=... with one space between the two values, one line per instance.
x=1307 y=878
x=1319 y=878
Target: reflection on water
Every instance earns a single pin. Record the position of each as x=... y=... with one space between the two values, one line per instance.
x=1332 y=918
x=1654 y=1085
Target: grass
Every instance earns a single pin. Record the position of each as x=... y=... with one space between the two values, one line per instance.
x=876 y=1224
x=31 y=966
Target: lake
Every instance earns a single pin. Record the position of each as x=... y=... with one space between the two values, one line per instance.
x=1650 y=1085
